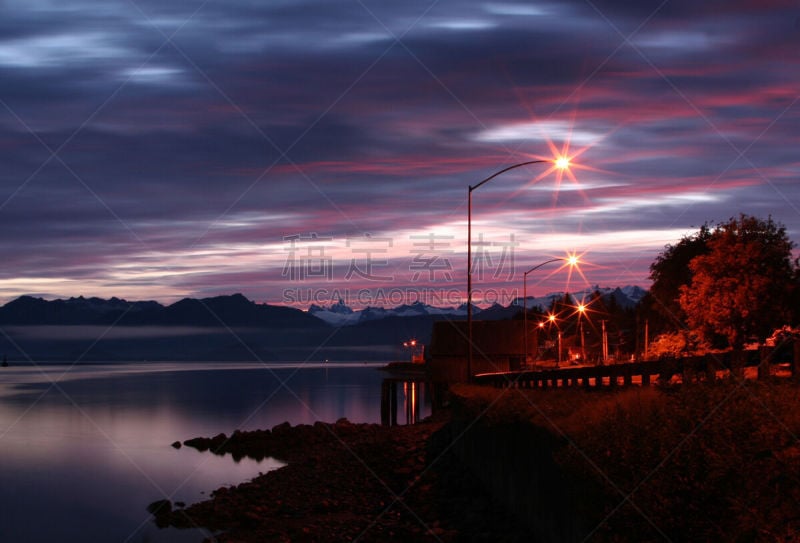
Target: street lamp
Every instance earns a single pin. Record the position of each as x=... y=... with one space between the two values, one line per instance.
x=561 y=163
x=572 y=261
x=581 y=312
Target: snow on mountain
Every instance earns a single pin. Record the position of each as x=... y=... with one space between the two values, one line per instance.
x=627 y=296
x=372 y=314
x=340 y=308
x=634 y=293
x=339 y=314
x=541 y=302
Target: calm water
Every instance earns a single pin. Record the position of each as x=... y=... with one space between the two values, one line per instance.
x=80 y=461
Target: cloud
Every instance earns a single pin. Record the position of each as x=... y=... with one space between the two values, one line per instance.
x=539 y=131
x=186 y=161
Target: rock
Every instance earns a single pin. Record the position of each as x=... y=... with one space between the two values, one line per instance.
x=282 y=428
x=160 y=507
x=199 y=443
x=161 y=511
x=176 y=445
x=324 y=493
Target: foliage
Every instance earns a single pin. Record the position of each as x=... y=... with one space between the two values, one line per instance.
x=741 y=286
x=713 y=462
x=795 y=295
x=676 y=344
x=708 y=462
x=669 y=272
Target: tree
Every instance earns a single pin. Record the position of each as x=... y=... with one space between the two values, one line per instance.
x=669 y=272
x=795 y=322
x=742 y=286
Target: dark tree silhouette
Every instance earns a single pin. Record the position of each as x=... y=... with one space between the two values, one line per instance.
x=795 y=296
x=669 y=272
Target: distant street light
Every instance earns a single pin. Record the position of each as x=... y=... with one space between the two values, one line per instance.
x=571 y=261
x=558 y=363
x=561 y=163
x=581 y=312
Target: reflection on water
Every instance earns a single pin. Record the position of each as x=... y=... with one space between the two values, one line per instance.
x=82 y=459
x=408 y=395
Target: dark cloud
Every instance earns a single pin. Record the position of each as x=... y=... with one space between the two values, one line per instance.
x=194 y=140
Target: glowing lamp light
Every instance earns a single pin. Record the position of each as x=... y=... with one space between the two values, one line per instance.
x=541 y=325
x=582 y=308
x=552 y=318
x=562 y=163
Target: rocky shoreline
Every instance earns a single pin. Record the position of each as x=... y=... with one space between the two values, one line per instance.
x=550 y=456
x=346 y=482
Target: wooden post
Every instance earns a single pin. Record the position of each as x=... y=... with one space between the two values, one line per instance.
x=418 y=387
x=385 y=402
x=765 y=357
x=737 y=363
x=407 y=402
x=711 y=368
x=645 y=378
x=393 y=403
x=795 y=365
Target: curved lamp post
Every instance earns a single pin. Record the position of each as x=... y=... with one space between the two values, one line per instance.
x=572 y=262
x=561 y=163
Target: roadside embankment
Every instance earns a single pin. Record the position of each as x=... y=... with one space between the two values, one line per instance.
x=711 y=462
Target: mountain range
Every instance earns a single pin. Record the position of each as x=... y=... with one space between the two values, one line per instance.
x=232 y=328
x=340 y=314
x=234 y=310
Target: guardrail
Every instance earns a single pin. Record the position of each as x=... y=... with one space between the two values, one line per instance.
x=644 y=373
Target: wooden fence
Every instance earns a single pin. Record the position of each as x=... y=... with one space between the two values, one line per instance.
x=690 y=369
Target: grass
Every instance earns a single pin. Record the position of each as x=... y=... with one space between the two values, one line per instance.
x=706 y=462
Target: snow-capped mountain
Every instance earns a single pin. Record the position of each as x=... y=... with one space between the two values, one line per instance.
x=340 y=314
x=627 y=296
x=540 y=302
x=634 y=293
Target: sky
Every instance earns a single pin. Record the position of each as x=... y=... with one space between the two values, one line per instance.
x=305 y=151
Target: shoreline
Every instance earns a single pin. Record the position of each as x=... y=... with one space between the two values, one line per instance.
x=562 y=463
x=345 y=481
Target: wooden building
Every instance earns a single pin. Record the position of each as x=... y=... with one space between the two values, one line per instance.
x=498 y=346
